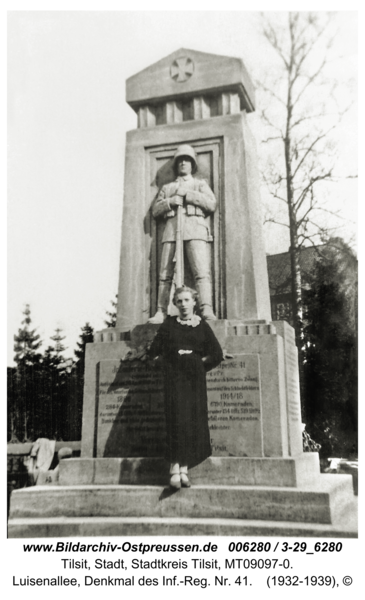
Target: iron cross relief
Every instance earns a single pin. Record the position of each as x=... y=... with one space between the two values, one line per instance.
x=181 y=69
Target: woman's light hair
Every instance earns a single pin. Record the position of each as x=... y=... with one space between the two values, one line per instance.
x=185 y=288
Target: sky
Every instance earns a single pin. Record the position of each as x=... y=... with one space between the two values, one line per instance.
x=67 y=121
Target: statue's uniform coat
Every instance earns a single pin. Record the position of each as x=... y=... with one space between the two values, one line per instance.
x=188 y=438
x=199 y=203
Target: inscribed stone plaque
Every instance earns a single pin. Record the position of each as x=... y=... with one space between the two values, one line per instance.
x=234 y=407
x=130 y=419
x=292 y=387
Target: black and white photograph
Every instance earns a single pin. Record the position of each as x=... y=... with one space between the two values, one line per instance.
x=182 y=315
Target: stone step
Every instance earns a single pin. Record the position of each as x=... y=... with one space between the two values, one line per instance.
x=345 y=526
x=317 y=503
x=278 y=472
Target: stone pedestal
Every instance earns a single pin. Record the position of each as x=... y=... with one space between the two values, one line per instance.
x=253 y=397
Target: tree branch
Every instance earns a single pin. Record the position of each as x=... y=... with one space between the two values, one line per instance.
x=318 y=138
x=270 y=139
x=266 y=118
x=310 y=185
x=271 y=37
x=273 y=94
x=271 y=220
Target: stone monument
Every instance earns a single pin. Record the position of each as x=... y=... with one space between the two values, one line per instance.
x=200 y=101
x=258 y=469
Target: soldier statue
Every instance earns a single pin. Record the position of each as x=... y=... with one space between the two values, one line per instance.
x=198 y=202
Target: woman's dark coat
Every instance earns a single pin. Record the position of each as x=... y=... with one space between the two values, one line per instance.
x=188 y=438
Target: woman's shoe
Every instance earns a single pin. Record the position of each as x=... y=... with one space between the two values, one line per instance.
x=185 y=480
x=175 y=481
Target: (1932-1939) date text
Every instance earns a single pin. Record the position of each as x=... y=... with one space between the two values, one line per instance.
x=295 y=581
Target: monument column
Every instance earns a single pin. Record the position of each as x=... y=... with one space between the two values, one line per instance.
x=202 y=100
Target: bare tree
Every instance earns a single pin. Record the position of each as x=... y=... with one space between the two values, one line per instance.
x=301 y=110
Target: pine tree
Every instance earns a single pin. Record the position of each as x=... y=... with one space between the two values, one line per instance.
x=57 y=338
x=330 y=355
x=86 y=336
x=27 y=341
x=111 y=322
x=13 y=405
x=61 y=386
x=55 y=394
x=24 y=384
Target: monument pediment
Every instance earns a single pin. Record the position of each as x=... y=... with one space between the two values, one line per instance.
x=187 y=73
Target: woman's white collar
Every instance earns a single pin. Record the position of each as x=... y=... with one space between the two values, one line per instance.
x=193 y=322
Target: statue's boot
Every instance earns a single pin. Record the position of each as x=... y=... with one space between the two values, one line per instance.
x=204 y=289
x=162 y=303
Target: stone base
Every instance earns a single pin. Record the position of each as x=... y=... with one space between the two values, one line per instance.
x=311 y=504
x=278 y=472
x=344 y=527
x=229 y=496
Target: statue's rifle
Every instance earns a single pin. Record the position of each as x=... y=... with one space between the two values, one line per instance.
x=179 y=254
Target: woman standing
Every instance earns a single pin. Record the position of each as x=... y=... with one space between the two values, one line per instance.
x=189 y=349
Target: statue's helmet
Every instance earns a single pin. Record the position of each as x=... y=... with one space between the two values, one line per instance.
x=186 y=150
